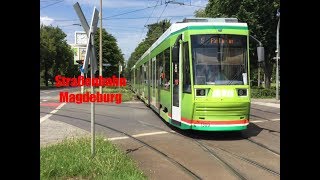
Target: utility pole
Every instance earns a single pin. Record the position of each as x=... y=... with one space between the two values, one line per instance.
x=259 y=74
x=259 y=63
x=100 y=52
x=277 y=58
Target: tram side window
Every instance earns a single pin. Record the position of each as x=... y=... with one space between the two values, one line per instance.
x=152 y=72
x=167 y=69
x=145 y=73
x=186 y=69
x=141 y=76
x=137 y=77
x=160 y=69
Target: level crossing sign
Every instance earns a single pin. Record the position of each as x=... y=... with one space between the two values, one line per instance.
x=90 y=31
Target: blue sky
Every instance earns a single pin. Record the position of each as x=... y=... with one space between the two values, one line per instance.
x=128 y=28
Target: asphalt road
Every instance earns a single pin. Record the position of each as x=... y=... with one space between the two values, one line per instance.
x=165 y=152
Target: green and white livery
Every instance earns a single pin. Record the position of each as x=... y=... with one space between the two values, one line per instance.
x=196 y=75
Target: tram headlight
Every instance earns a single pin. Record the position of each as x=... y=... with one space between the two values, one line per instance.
x=201 y=92
x=242 y=92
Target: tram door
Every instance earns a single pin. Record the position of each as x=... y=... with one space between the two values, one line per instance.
x=153 y=82
x=149 y=81
x=175 y=83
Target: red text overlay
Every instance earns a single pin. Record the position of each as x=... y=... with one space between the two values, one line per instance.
x=87 y=97
x=67 y=97
x=82 y=81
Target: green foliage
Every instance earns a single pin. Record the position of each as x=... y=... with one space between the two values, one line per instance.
x=154 y=32
x=127 y=94
x=111 y=53
x=261 y=19
x=71 y=159
x=260 y=92
x=200 y=13
x=56 y=56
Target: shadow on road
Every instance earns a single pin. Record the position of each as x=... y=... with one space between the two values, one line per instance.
x=133 y=105
x=252 y=130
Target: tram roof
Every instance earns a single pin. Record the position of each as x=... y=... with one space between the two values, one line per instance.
x=192 y=22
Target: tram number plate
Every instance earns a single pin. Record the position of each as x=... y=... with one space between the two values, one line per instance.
x=222 y=93
x=205 y=125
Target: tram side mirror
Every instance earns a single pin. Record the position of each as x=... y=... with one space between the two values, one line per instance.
x=260 y=52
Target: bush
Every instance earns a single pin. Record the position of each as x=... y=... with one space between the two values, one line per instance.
x=71 y=159
x=260 y=92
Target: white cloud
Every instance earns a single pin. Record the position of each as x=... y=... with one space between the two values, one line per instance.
x=128 y=38
x=46 y=20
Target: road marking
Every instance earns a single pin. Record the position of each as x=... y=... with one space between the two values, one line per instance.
x=51 y=113
x=150 y=134
x=117 y=138
x=50 y=104
x=257 y=121
x=267 y=104
x=139 y=135
x=133 y=102
x=57 y=90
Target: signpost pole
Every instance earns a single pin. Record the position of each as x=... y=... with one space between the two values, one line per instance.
x=119 y=76
x=93 y=152
x=100 y=51
x=82 y=87
x=277 y=57
x=90 y=55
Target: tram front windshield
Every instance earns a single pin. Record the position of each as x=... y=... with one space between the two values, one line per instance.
x=219 y=59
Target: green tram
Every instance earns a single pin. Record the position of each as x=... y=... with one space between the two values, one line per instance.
x=196 y=75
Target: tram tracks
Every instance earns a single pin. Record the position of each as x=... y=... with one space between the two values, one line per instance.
x=265 y=111
x=260 y=117
x=271 y=131
x=263 y=146
x=250 y=161
x=212 y=151
x=176 y=163
x=266 y=120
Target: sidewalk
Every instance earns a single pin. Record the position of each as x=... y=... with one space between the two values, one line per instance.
x=52 y=132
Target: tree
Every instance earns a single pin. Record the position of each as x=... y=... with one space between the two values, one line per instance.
x=111 y=53
x=154 y=32
x=261 y=19
x=55 y=53
x=200 y=13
